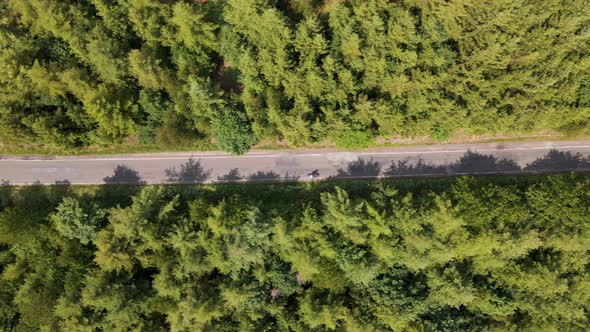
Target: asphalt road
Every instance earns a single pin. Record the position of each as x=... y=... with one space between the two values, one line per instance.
x=433 y=160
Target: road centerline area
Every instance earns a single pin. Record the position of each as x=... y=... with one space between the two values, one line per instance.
x=288 y=165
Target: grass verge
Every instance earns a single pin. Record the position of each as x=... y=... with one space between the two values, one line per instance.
x=132 y=146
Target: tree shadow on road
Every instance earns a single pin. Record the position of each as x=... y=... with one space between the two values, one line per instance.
x=555 y=161
x=404 y=167
x=64 y=182
x=190 y=172
x=271 y=176
x=120 y=187
x=124 y=175
x=264 y=176
x=290 y=177
x=473 y=162
x=359 y=168
x=232 y=176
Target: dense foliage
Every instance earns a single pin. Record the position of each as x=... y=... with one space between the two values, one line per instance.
x=439 y=255
x=94 y=72
x=232 y=132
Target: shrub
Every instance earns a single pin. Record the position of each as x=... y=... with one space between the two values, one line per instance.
x=353 y=139
x=233 y=132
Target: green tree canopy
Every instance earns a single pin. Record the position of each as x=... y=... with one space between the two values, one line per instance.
x=465 y=254
x=346 y=72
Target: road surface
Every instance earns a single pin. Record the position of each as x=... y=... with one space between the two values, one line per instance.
x=206 y=167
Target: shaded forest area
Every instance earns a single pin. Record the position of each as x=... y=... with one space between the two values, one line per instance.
x=463 y=254
x=170 y=74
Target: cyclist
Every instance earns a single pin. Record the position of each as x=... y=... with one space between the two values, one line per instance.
x=314 y=174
